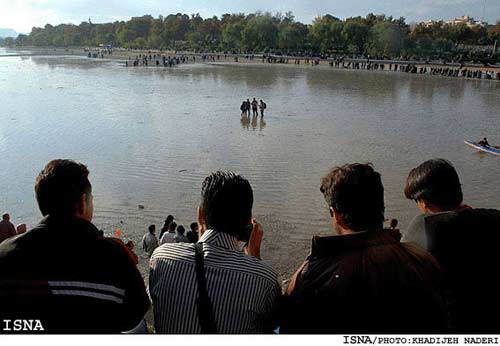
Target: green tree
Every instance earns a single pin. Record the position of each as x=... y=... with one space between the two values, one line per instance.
x=320 y=33
x=386 y=39
x=355 y=33
x=9 y=42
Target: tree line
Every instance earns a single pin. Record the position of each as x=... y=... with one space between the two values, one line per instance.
x=373 y=35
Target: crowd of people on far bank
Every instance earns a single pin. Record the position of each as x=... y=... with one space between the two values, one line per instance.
x=446 y=71
x=255 y=106
x=362 y=278
x=158 y=60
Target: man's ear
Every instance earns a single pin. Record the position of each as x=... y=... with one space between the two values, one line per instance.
x=427 y=207
x=80 y=207
x=201 y=221
x=331 y=212
x=338 y=219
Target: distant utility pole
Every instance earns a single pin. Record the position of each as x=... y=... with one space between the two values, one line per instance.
x=90 y=22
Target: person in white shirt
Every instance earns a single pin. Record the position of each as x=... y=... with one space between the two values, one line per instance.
x=149 y=241
x=168 y=237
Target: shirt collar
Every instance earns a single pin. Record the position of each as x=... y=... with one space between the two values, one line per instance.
x=70 y=223
x=221 y=239
x=324 y=246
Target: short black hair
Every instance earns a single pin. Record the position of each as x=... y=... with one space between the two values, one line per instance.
x=60 y=185
x=436 y=182
x=194 y=226
x=152 y=228
x=172 y=226
x=181 y=230
x=356 y=192
x=226 y=202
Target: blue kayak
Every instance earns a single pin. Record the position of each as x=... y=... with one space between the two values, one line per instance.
x=486 y=149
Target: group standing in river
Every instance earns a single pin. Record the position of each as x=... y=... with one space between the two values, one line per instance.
x=255 y=106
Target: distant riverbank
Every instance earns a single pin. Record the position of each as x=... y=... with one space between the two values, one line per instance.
x=126 y=54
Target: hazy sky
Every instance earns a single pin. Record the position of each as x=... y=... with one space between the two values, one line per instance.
x=22 y=15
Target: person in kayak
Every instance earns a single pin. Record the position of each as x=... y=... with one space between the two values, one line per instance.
x=484 y=142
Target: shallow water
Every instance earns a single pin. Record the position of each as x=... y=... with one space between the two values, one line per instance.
x=150 y=135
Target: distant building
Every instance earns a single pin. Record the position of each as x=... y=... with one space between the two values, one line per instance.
x=467 y=20
x=429 y=23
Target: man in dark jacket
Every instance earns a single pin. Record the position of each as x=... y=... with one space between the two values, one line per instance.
x=362 y=280
x=463 y=239
x=62 y=273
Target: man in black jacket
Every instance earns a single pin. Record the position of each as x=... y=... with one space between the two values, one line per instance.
x=363 y=280
x=62 y=273
x=463 y=239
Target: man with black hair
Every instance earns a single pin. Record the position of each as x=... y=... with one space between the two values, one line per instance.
x=150 y=241
x=63 y=273
x=212 y=286
x=362 y=280
x=463 y=239
x=192 y=234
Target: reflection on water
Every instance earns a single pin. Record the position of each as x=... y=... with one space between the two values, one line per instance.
x=150 y=135
x=251 y=122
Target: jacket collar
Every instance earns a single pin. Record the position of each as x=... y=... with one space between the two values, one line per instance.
x=324 y=246
x=70 y=224
x=221 y=239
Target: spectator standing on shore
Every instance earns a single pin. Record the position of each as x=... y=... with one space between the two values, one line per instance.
x=192 y=234
x=7 y=228
x=167 y=223
x=212 y=286
x=179 y=235
x=62 y=272
x=362 y=280
x=168 y=237
x=262 y=106
x=150 y=241
x=463 y=239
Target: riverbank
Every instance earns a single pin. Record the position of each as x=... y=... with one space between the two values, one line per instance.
x=125 y=54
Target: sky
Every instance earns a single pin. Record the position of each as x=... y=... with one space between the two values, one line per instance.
x=22 y=15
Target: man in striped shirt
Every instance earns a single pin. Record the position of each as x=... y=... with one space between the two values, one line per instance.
x=213 y=283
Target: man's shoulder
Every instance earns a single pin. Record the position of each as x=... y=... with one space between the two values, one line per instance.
x=215 y=257
x=14 y=245
x=415 y=232
x=239 y=261
x=173 y=251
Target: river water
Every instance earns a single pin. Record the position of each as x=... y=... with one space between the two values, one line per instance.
x=150 y=135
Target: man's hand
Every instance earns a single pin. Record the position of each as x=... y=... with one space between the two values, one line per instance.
x=255 y=240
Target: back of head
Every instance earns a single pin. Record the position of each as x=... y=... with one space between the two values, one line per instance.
x=60 y=186
x=356 y=192
x=6 y=217
x=172 y=227
x=194 y=226
x=152 y=229
x=436 y=182
x=181 y=230
x=226 y=202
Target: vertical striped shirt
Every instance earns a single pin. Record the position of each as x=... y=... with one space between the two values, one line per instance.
x=243 y=290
